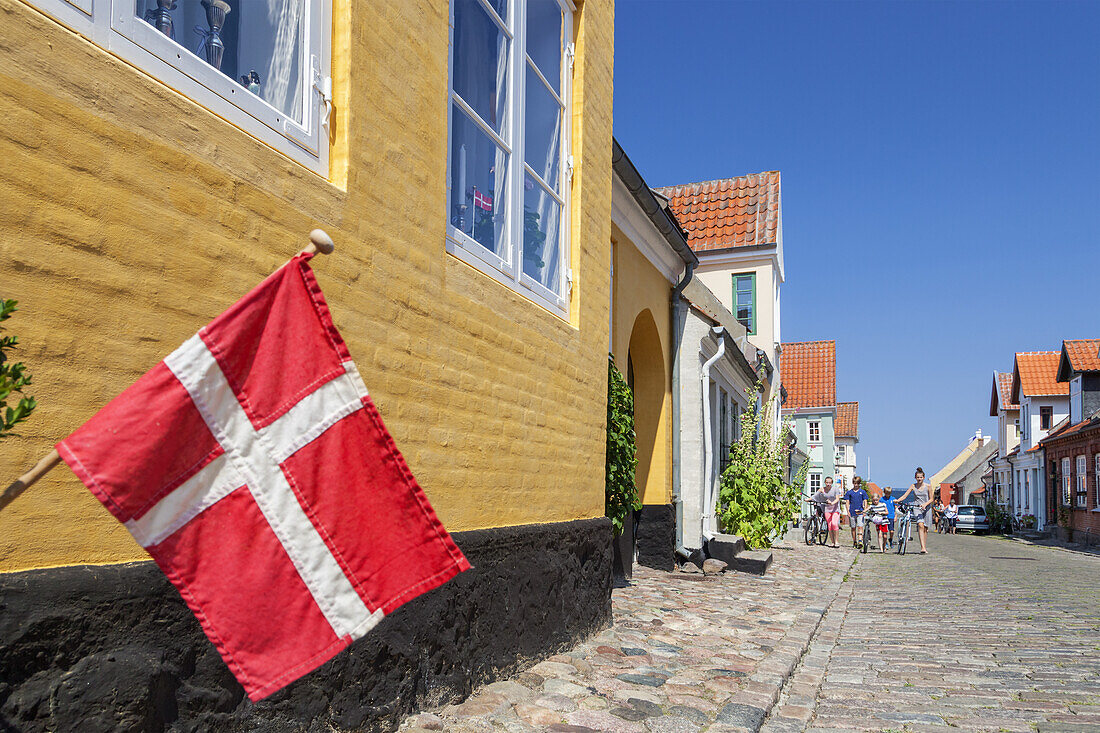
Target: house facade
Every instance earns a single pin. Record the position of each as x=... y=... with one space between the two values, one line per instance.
x=810 y=373
x=846 y=433
x=146 y=190
x=717 y=383
x=1072 y=451
x=650 y=259
x=1044 y=402
x=1007 y=413
x=735 y=228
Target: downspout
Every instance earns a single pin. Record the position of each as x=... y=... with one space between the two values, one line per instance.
x=677 y=312
x=709 y=524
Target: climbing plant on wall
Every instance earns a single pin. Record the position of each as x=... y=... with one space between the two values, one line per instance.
x=620 y=493
x=13 y=378
x=753 y=499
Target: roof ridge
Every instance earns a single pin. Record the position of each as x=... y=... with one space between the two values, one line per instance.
x=1038 y=353
x=796 y=343
x=717 y=180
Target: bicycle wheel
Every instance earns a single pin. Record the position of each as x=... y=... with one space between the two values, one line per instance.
x=904 y=539
x=866 y=536
x=809 y=532
x=822 y=532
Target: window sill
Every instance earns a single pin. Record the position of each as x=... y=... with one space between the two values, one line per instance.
x=466 y=249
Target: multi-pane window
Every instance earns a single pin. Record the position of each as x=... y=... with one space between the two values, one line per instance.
x=1017 y=428
x=509 y=167
x=1082 y=481
x=1027 y=489
x=1046 y=417
x=744 y=300
x=815 y=483
x=1096 y=482
x=259 y=64
x=1065 y=480
x=814 y=427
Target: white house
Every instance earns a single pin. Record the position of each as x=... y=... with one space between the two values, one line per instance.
x=1044 y=402
x=846 y=434
x=1007 y=413
x=717 y=375
x=735 y=228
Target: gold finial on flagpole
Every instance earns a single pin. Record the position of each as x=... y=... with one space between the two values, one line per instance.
x=319 y=241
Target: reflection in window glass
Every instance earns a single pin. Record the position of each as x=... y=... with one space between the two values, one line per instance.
x=545 y=40
x=256 y=43
x=542 y=128
x=478 y=175
x=481 y=64
x=541 y=243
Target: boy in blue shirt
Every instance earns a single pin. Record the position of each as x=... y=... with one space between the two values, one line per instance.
x=889 y=502
x=855 y=497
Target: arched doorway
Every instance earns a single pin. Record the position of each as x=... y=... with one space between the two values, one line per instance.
x=646 y=375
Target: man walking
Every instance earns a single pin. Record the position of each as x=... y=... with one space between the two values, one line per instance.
x=856 y=497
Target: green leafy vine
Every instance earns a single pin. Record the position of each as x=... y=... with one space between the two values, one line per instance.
x=620 y=493
x=13 y=378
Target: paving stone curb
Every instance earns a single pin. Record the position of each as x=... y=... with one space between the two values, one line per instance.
x=749 y=710
x=795 y=707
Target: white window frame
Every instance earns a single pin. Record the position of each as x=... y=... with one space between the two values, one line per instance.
x=509 y=270
x=1081 y=500
x=114 y=26
x=810 y=479
x=1096 y=484
x=1065 y=481
x=813 y=426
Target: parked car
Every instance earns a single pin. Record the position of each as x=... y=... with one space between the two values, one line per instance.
x=972 y=518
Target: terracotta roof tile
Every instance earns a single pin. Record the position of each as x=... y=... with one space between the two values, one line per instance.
x=1036 y=373
x=847 y=420
x=730 y=212
x=1004 y=388
x=872 y=488
x=808 y=371
x=1084 y=354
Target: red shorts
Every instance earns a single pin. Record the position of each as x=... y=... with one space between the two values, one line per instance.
x=833 y=519
x=883 y=527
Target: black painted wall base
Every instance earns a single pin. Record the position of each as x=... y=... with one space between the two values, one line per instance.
x=114 y=648
x=656 y=536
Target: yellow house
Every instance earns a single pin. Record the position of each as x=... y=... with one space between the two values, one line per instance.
x=651 y=263
x=160 y=159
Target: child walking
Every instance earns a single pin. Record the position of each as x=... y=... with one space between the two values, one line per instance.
x=876 y=515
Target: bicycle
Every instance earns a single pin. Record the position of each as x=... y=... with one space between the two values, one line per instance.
x=817 y=530
x=905 y=526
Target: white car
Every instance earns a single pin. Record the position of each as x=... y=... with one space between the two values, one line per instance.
x=972 y=518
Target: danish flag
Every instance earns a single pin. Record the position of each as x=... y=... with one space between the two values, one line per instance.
x=253 y=466
x=482 y=201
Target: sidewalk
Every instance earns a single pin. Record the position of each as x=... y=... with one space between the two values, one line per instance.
x=685 y=653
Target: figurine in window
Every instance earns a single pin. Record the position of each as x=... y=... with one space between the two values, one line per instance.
x=251 y=82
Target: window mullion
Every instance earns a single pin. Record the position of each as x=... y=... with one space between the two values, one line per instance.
x=476 y=119
x=546 y=186
x=492 y=13
x=538 y=73
x=518 y=112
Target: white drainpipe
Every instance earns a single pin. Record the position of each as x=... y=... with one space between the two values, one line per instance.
x=710 y=525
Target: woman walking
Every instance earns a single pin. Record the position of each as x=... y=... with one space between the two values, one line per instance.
x=921 y=494
x=830 y=497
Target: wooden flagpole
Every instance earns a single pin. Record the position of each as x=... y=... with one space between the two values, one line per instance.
x=319 y=242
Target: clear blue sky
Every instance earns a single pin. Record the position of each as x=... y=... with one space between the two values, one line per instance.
x=941 y=182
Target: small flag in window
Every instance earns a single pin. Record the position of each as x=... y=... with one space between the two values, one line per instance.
x=482 y=201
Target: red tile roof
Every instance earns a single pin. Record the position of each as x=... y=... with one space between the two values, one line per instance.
x=872 y=488
x=1083 y=355
x=1002 y=393
x=727 y=213
x=808 y=371
x=1036 y=373
x=847 y=419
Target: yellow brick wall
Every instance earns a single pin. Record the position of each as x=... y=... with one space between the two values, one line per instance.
x=132 y=216
x=642 y=297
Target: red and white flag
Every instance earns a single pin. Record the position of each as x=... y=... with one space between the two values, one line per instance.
x=254 y=468
x=482 y=201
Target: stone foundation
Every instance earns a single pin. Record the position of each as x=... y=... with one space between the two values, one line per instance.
x=656 y=536
x=114 y=648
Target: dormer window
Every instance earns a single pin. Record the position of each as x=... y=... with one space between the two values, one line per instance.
x=1046 y=417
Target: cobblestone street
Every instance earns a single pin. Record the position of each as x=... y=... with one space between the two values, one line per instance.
x=981 y=634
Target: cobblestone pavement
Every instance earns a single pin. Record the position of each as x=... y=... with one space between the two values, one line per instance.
x=981 y=634
x=685 y=653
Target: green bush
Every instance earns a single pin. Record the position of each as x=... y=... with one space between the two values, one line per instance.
x=13 y=378
x=753 y=499
x=620 y=493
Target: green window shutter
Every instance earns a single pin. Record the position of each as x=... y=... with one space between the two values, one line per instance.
x=744 y=300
